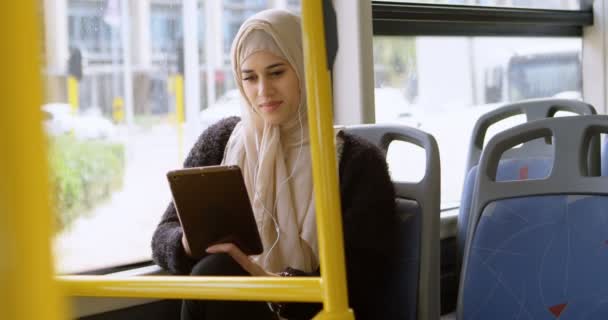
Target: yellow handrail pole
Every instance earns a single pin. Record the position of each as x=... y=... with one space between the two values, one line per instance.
x=325 y=176
x=179 y=98
x=304 y=289
x=73 y=94
x=27 y=289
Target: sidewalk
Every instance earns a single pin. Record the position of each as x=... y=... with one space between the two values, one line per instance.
x=119 y=231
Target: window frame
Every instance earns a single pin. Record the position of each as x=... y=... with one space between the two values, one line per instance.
x=409 y=19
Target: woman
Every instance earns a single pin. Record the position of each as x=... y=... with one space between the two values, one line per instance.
x=270 y=145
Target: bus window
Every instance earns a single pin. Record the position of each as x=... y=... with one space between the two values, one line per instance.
x=442 y=85
x=531 y=4
x=122 y=114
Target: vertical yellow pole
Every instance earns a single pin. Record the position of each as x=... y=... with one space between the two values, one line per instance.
x=27 y=290
x=179 y=110
x=73 y=93
x=118 y=110
x=325 y=176
x=179 y=98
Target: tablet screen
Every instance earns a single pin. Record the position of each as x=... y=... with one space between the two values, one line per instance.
x=213 y=207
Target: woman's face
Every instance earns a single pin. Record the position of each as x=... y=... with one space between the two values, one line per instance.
x=271 y=86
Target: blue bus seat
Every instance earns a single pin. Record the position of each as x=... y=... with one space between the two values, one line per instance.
x=537 y=249
x=537 y=151
x=413 y=292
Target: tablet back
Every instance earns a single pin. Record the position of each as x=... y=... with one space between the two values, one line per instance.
x=213 y=207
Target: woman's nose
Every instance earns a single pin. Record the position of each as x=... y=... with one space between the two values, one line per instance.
x=265 y=88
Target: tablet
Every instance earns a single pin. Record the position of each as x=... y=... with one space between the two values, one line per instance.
x=213 y=207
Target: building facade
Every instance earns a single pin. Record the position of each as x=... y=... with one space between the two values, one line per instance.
x=153 y=42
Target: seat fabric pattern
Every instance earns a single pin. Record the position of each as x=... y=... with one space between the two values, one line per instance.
x=539 y=257
x=508 y=170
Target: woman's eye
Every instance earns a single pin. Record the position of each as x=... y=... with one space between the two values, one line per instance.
x=277 y=73
x=249 y=78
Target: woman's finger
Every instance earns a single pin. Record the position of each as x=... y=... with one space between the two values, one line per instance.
x=242 y=259
x=220 y=247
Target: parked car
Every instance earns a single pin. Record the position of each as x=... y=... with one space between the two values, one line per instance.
x=90 y=124
x=227 y=105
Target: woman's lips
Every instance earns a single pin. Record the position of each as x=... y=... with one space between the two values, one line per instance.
x=270 y=106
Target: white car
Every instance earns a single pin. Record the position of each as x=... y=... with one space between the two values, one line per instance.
x=226 y=106
x=59 y=119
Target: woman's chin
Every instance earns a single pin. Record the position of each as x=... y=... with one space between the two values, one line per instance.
x=274 y=118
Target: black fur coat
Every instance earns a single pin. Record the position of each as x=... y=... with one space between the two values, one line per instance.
x=368 y=204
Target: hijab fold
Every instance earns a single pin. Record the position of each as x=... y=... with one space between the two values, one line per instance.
x=275 y=159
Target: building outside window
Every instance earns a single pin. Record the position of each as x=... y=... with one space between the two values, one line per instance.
x=235 y=12
x=165 y=28
x=88 y=31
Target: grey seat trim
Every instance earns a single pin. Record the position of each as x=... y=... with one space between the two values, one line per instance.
x=427 y=193
x=535 y=109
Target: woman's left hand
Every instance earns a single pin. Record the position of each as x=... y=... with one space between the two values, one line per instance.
x=242 y=259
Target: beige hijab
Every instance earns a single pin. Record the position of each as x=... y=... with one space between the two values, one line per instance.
x=275 y=159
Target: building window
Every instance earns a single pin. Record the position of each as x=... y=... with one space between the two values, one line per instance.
x=165 y=28
x=235 y=12
x=88 y=29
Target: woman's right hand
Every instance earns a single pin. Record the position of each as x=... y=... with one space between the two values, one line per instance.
x=246 y=262
x=186 y=246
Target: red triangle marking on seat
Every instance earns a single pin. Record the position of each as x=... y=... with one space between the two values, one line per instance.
x=557 y=309
x=523 y=173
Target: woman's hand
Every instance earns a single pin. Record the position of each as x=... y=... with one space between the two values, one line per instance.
x=242 y=259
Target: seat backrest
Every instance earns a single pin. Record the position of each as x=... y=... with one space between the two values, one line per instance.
x=538 y=248
x=414 y=271
x=531 y=156
x=535 y=109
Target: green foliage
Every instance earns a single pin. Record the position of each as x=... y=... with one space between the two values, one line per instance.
x=83 y=173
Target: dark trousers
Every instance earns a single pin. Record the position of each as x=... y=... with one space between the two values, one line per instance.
x=223 y=265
